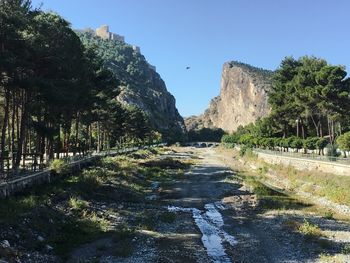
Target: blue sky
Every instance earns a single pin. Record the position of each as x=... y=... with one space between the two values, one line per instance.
x=203 y=34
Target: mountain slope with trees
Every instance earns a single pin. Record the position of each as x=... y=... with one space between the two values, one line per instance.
x=140 y=85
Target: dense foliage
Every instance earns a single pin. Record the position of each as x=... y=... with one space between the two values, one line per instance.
x=309 y=97
x=310 y=104
x=205 y=135
x=57 y=96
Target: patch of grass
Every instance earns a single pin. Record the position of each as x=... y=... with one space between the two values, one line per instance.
x=101 y=223
x=326 y=258
x=167 y=163
x=77 y=203
x=346 y=249
x=110 y=163
x=59 y=166
x=74 y=232
x=331 y=186
x=328 y=214
x=91 y=179
x=309 y=230
x=14 y=207
x=167 y=217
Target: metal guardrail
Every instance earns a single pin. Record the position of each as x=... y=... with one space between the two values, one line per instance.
x=306 y=156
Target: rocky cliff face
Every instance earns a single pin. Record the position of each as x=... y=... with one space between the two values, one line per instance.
x=158 y=104
x=242 y=99
x=140 y=85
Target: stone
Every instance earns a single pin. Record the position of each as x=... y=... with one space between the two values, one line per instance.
x=5 y=244
x=151 y=197
x=242 y=100
x=48 y=248
x=40 y=239
x=155 y=185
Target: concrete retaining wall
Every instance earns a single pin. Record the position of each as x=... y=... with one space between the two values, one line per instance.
x=19 y=184
x=306 y=164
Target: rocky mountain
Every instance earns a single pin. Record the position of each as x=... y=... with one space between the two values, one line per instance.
x=140 y=85
x=242 y=100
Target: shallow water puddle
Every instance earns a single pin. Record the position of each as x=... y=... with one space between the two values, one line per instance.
x=210 y=223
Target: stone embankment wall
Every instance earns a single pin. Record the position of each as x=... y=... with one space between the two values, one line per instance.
x=306 y=164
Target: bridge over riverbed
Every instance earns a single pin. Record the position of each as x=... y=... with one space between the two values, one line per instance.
x=202 y=144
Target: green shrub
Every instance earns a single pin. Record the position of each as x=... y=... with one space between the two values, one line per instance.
x=246 y=151
x=296 y=143
x=310 y=143
x=328 y=214
x=344 y=141
x=346 y=249
x=332 y=152
x=59 y=166
x=321 y=144
x=77 y=204
x=310 y=230
x=90 y=180
x=247 y=139
x=230 y=139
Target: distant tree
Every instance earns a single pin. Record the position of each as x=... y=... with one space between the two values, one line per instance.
x=343 y=142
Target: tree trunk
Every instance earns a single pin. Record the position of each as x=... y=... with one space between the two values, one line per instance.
x=23 y=130
x=98 y=137
x=302 y=128
x=3 y=130
x=76 y=134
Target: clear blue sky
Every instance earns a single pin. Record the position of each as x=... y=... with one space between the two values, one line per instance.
x=203 y=34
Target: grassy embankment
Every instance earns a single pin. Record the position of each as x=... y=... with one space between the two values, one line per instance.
x=298 y=214
x=68 y=212
x=290 y=180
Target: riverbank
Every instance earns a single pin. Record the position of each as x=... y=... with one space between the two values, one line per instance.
x=178 y=204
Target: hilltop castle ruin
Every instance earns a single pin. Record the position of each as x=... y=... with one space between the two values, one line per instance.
x=104 y=33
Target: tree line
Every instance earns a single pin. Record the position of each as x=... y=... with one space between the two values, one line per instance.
x=310 y=103
x=56 y=95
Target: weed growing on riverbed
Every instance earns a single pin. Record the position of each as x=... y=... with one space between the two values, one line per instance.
x=328 y=214
x=309 y=230
x=59 y=166
x=77 y=203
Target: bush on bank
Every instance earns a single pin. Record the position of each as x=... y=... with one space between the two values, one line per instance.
x=293 y=143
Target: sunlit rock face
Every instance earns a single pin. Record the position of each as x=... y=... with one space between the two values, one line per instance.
x=242 y=100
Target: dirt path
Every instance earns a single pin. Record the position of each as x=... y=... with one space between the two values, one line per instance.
x=218 y=220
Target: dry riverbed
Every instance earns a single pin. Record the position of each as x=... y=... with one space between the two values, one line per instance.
x=167 y=205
